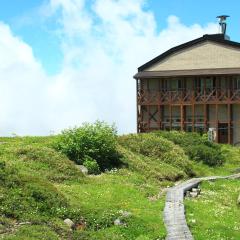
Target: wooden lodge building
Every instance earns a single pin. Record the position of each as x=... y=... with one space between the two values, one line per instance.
x=192 y=87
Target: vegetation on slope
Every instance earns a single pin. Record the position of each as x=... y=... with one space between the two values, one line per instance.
x=49 y=189
x=28 y=171
x=155 y=156
x=197 y=147
x=41 y=187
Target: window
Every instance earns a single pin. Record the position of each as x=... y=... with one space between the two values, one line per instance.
x=176 y=84
x=209 y=83
x=238 y=82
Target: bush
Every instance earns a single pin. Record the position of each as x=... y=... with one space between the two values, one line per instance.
x=25 y=197
x=21 y=192
x=97 y=141
x=91 y=165
x=208 y=155
x=150 y=168
x=157 y=148
x=48 y=163
x=197 y=147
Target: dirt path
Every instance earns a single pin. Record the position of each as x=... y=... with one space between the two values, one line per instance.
x=174 y=211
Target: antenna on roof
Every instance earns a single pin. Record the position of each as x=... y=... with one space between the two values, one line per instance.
x=223 y=23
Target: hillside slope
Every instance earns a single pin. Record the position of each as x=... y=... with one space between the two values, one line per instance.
x=41 y=187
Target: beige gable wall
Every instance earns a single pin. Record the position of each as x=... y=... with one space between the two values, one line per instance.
x=202 y=56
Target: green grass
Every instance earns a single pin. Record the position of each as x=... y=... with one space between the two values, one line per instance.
x=33 y=233
x=215 y=214
x=231 y=165
x=48 y=188
x=102 y=197
x=95 y=199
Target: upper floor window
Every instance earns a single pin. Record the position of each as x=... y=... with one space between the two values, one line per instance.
x=236 y=82
x=207 y=83
x=176 y=84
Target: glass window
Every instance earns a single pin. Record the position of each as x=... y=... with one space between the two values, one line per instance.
x=209 y=83
x=238 y=82
x=176 y=84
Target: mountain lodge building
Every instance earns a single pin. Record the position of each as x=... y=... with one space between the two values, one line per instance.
x=192 y=87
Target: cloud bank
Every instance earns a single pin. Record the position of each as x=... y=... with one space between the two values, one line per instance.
x=102 y=44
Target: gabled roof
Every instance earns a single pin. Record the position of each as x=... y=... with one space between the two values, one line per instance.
x=217 y=38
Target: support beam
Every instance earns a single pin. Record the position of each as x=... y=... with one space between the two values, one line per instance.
x=205 y=117
x=159 y=116
x=162 y=116
x=138 y=114
x=193 y=117
x=170 y=115
x=182 y=117
x=148 y=118
x=142 y=111
x=159 y=104
x=216 y=119
x=229 y=124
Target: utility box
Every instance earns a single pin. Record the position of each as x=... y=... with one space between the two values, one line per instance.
x=212 y=134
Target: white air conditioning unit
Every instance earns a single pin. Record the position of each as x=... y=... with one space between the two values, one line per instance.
x=212 y=134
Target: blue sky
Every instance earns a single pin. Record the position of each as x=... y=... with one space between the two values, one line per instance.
x=202 y=12
x=65 y=62
x=24 y=19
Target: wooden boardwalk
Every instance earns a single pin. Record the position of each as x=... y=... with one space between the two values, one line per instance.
x=174 y=211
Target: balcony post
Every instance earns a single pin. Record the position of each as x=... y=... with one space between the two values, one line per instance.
x=182 y=117
x=170 y=116
x=216 y=116
x=229 y=123
x=137 y=103
x=193 y=117
x=205 y=117
x=193 y=103
x=148 y=113
x=159 y=116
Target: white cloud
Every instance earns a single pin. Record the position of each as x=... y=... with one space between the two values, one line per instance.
x=102 y=46
x=22 y=86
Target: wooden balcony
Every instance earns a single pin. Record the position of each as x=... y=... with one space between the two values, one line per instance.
x=198 y=96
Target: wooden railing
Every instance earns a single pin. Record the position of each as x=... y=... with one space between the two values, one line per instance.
x=150 y=97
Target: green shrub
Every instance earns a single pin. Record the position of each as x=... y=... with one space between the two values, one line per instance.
x=150 y=168
x=197 y=147
x=24 y=197
x=158 y=148
x=91 y=165
x=47 y=163
x=97 y=141
x=208 y=155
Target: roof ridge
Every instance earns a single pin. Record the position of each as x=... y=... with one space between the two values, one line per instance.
x=218 y=38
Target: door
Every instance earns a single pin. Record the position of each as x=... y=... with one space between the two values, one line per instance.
x=223 y=133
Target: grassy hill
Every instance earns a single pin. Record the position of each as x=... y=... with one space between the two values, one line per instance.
x=40 y=186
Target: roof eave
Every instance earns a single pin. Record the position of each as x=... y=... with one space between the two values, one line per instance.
x=187 y=73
